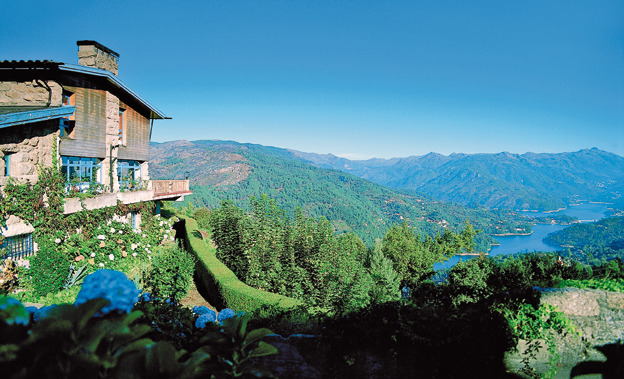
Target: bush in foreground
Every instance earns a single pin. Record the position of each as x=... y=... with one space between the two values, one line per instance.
x=102 y=336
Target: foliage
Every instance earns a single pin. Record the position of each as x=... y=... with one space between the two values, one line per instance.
x=9 y=278
x=468 y=280
x=170 y=321
x=414 y=257
x=219 y=285
x=612 y=284
x=301 y=258
x=535 y=324
x=171 y=273
x=49 y=269
x=428 y=339
x=608 y=232
x=233 y=347
x=386 y=281
x=103 y=338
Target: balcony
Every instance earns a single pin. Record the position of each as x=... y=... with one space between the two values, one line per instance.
x=170 y=190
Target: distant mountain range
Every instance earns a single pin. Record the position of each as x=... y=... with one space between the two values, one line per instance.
x=229 y=170
x=504 y=180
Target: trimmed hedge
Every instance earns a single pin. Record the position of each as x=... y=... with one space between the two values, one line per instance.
x=220 y=285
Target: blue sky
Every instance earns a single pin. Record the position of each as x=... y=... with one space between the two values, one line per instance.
x=358 y=79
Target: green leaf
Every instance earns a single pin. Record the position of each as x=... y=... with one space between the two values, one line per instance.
x=264 y=349
x=161 y=360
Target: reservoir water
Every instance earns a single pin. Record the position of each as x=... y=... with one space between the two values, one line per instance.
x=534 y=242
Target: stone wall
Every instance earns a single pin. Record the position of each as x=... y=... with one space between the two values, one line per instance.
x=30 y=147
x=598 y=317
x=32 y=93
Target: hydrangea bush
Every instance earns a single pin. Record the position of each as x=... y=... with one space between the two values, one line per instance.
x=103 y=335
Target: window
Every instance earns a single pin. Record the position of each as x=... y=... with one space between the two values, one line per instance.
x=18 y=246
x=67 y=123
x=129 y=174
x=81 y=174
x=122 y=126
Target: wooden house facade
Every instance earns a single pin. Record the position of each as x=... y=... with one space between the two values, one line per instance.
x=100 y=127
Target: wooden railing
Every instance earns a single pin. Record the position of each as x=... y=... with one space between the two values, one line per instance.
x=163 y=187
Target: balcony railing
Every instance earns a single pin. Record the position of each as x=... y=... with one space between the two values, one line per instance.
x=170 y=187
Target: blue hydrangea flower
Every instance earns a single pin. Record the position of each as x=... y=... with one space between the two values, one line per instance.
x=43 y=312
x=200 y=310
x=225 y=313
x=13 y=312
x=110 y=285
x=146 y=296
x=205 y=318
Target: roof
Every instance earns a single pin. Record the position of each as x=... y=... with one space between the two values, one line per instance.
x=11 y=116
x=111 y=79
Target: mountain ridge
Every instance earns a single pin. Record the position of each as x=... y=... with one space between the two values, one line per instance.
x=229 y=170
x=540 y=181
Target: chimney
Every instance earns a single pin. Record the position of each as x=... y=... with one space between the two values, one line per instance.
x=93 y=54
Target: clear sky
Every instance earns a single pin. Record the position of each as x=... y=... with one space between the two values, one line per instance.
x=358 y=79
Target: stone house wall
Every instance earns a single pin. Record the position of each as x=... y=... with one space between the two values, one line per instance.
x=30 y=146
x=32 y=93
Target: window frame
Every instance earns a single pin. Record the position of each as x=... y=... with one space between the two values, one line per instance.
x=128 y=173
x=18 y=246
x=121 y=133
x=84 y=167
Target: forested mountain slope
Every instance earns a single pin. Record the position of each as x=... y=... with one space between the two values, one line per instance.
x=527 y=181
x=230 y=170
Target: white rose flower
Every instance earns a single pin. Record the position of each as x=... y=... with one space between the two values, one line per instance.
x=101 y=264
x=101 y=237
x=58 y=240
x=134 y=254
x=111 y=257
x=112 y=230
x=92 y=255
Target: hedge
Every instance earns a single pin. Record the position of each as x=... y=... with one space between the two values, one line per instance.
x=219 y=285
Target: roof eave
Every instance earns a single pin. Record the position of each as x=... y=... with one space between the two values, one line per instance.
x=37 y=115
x=154 y=112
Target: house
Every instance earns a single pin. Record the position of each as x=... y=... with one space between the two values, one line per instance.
x=99 y=128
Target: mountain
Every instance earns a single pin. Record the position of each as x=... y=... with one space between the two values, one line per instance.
x=230 y=170
x=504 y=180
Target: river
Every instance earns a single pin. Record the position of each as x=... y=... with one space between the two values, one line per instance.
x=522 y=244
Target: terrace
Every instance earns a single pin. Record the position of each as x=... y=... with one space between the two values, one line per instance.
x=170 y=190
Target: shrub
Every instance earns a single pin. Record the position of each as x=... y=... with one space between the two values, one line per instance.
x=49 y=269
x=171 y=273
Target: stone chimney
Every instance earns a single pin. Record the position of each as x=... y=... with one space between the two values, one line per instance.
x=93 y=54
